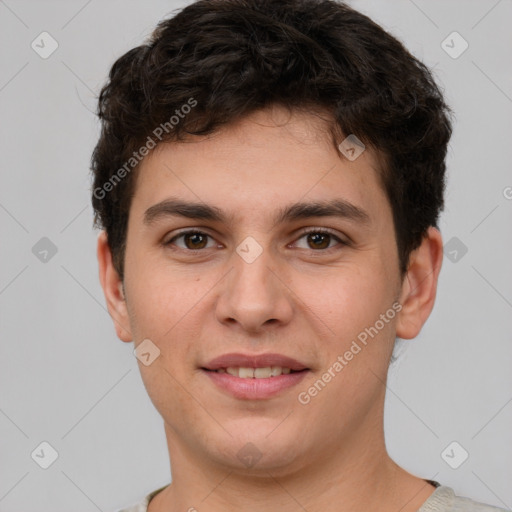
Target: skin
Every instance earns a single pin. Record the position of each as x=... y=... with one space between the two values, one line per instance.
x=296 y=299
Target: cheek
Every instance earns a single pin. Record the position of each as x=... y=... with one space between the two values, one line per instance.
x=164 y=382
x=162 y=307
x=347 y=300
x=356 y=351
x=160 y=295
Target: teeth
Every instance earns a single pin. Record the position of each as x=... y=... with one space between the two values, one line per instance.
x=246 y=373
x=256 y=373
x=263 y=373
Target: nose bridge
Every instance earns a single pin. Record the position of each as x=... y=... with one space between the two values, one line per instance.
x=252 y=294
x=250 y=281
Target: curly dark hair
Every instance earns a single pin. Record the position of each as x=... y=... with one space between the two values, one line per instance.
x=229 y=58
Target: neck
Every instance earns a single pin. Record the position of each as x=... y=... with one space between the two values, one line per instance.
x=358 y=475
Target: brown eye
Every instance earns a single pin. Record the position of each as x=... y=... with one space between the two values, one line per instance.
x=319 y=240
x=195 y=240
x=192 y=240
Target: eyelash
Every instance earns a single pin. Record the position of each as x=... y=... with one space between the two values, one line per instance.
x=322 y=231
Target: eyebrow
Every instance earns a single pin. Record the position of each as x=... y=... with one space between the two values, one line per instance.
x=303 y=210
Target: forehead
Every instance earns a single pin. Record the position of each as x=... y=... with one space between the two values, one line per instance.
x=257 y=166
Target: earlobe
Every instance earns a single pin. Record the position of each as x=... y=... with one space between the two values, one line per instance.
x=420 y=285
x=113 y=289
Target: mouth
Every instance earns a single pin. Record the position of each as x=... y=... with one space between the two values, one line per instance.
x=254 y=376
x=264 y=363
x=267 y=372
x=262 y=383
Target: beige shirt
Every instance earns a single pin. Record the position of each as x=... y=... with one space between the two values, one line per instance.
x=443 y=499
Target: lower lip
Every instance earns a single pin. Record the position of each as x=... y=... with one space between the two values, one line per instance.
x=255 y=389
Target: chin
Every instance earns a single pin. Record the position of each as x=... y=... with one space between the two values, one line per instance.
x=262 y=451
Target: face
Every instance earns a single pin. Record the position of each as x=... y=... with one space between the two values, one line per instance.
x=256 y=277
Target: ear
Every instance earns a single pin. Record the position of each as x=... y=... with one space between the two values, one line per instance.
x=420 y=285
x=113 y=289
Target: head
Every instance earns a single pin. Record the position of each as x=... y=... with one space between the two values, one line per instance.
x=242 y=107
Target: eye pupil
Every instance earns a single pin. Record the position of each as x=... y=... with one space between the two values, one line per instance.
x=319 y=237
x=195 y=237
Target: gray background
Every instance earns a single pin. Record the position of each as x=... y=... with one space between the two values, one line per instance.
x=64 y=376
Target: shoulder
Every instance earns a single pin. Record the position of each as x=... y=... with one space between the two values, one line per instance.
x=444 y=499
x=142 y=506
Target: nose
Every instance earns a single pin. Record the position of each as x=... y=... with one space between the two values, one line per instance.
x=254 y=297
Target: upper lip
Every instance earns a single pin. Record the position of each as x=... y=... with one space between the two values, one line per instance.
x=254 y=361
